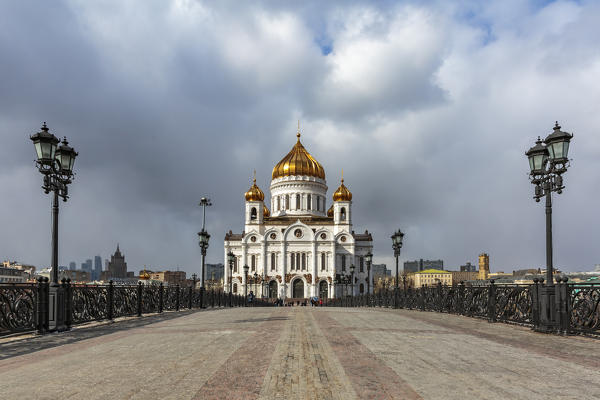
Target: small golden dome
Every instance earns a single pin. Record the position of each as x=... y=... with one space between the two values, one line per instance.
x=342 y=193
x=144 y=275
x=298 y=162
x=254 y=193
x=330 y=212
x=266 y=212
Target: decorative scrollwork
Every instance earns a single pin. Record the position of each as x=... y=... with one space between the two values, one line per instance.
x=514 y=304
x=17 y=307
x=475 y=301
x=125 y=301
x=585 y=308
x=150 y=298
x=90 y=303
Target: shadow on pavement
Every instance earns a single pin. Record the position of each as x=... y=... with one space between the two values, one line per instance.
x=31 y=344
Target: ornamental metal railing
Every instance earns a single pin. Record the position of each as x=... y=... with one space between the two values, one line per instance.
x=576 y=305
x=24 y=307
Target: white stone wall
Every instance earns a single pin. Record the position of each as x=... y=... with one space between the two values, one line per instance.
x=286 y=190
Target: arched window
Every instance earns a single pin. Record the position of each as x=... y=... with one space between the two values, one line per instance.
x=253 y=262
x=309 y=202
x=343 y=262
x=297 y=202
x=253 y=213
x=235 y=288
x=235 y=265
x=273 y=261
x=362 y=288
x=292 y=261
x=287 y=201
x=303 y=261
x=297 y=260
x=323 y=261
x=278 y=203
x=318 y=203
x=362 y=264
x=343 y=214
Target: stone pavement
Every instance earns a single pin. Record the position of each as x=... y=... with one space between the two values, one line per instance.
x=300 y=353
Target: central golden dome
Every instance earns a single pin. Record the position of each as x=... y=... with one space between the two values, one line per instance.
x=298 y=162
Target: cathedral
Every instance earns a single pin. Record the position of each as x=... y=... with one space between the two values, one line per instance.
x=296 y=246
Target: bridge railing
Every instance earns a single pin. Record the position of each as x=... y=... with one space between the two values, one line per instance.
x=577 y=305
x=24 y=307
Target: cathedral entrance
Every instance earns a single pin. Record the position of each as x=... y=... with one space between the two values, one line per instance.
x=298 y=289
x=273 y=290
x=323 y=290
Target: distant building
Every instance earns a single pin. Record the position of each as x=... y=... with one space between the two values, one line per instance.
x=87 y=266
x=214 y=272
x=430 y=277
x=172 y=278
x=97 y=268
x=29 y=270
x=530 y=271
x=463 y=276
x=484 y=266
x=468 y=267
x=72 y=265
x=12 y=275
x=75 y=275
x=421 y=265
x=117 y=267
x=380 y=271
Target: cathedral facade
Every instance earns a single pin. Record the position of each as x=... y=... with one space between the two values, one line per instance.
x=297 y=247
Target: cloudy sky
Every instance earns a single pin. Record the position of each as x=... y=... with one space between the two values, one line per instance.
x=427 y=106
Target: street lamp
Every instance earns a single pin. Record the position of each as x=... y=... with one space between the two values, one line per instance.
x=352 y=268
x=397 y=238
x=56 y=165
x=246 y=268
x=255 y=282
x=547 y=162
x=368 y=259
x=230 y=260
x=203 y=237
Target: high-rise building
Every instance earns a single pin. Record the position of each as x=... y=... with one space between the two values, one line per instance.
x=87 y=266
x=380 y=271
x=421 y=265
x=468 y=267
x=117 y=267
x=97 y=268
x=484 y=266
x=72 y=265
x=214 y=272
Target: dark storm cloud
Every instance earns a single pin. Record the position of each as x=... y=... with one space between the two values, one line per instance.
x=428 y=113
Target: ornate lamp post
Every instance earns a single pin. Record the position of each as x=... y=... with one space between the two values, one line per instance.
x=352 y=269
x=246 y=268
x=56 y=165
x=203 y=237
x=397 y=238
x=547 y=162
x=255 y=281
x=230 y=260
x=368 y=259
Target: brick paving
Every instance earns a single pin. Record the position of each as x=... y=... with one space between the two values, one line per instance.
x=300 y=353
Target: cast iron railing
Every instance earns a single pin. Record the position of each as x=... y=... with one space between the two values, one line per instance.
x=577 y=305
x=24 y=307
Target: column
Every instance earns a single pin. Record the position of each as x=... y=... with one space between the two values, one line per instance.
x=264 y=266
x=333 y=266
x=226 y=276
x=283 y=269
x=314 y=267
x=241 y=267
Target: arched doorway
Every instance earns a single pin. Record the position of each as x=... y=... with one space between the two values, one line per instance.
x=323 y=290
x=298 y=289
x=273 y=290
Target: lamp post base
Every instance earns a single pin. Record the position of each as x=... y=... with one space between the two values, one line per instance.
x=56 y=308
x=548 y=319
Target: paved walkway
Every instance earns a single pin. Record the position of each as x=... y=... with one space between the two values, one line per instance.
x=300 y=353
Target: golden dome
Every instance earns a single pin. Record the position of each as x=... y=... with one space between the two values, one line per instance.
x=330 y=212
x=298 y=162
x=342 y=193
x=144 y=275
x=266 y=212
x=254 y=193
